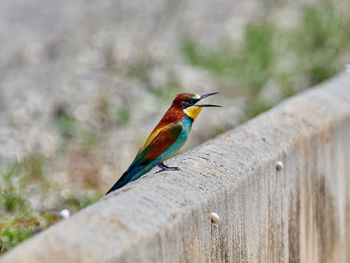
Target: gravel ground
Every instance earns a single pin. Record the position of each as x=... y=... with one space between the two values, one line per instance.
x=107 y=69
x=69 y=57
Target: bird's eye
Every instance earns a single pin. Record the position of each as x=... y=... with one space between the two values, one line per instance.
x=191 y=101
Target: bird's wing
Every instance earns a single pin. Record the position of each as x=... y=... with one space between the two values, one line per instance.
x=155 y=147
x=164 y=139
x=150 y=138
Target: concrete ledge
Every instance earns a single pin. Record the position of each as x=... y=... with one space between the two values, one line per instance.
x=279 y=183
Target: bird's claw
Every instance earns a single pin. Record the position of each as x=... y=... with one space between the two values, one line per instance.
x=173 y=169
x=163 y=167
x=168 y=169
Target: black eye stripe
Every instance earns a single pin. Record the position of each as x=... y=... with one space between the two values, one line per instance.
x=186 y=104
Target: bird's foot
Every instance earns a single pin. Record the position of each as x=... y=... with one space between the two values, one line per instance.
x=164 y=167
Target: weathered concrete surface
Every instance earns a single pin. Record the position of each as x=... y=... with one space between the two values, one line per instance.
x=300 y=213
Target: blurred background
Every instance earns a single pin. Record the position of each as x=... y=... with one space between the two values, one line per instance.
x=83 y=83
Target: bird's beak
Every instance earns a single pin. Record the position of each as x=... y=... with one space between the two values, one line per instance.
x=209 y=94
x=208 y=105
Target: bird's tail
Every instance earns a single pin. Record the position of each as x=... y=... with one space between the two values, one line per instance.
x=120 y=183
x=133 y=173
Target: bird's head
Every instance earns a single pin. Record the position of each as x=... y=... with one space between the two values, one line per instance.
x=188 y=103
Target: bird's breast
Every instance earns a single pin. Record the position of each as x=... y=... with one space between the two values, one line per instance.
x=186 y=124
x=186 y=128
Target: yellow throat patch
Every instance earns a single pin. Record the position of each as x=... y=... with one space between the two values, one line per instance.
x=192 y=112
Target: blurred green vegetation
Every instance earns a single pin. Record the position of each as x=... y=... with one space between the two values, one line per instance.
x=81 y=200
x=71 y=128
x=289 y=59
x=123 y=115
x=11 y=236
x=16 y=223
x=12 y=200
x=66 y=124
x=320 y=41
x=18 y=183
x=18 y=228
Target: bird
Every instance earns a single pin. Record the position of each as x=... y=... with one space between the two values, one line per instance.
x=166 y=138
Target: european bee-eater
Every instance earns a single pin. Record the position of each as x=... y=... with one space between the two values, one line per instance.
x=166 y=138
